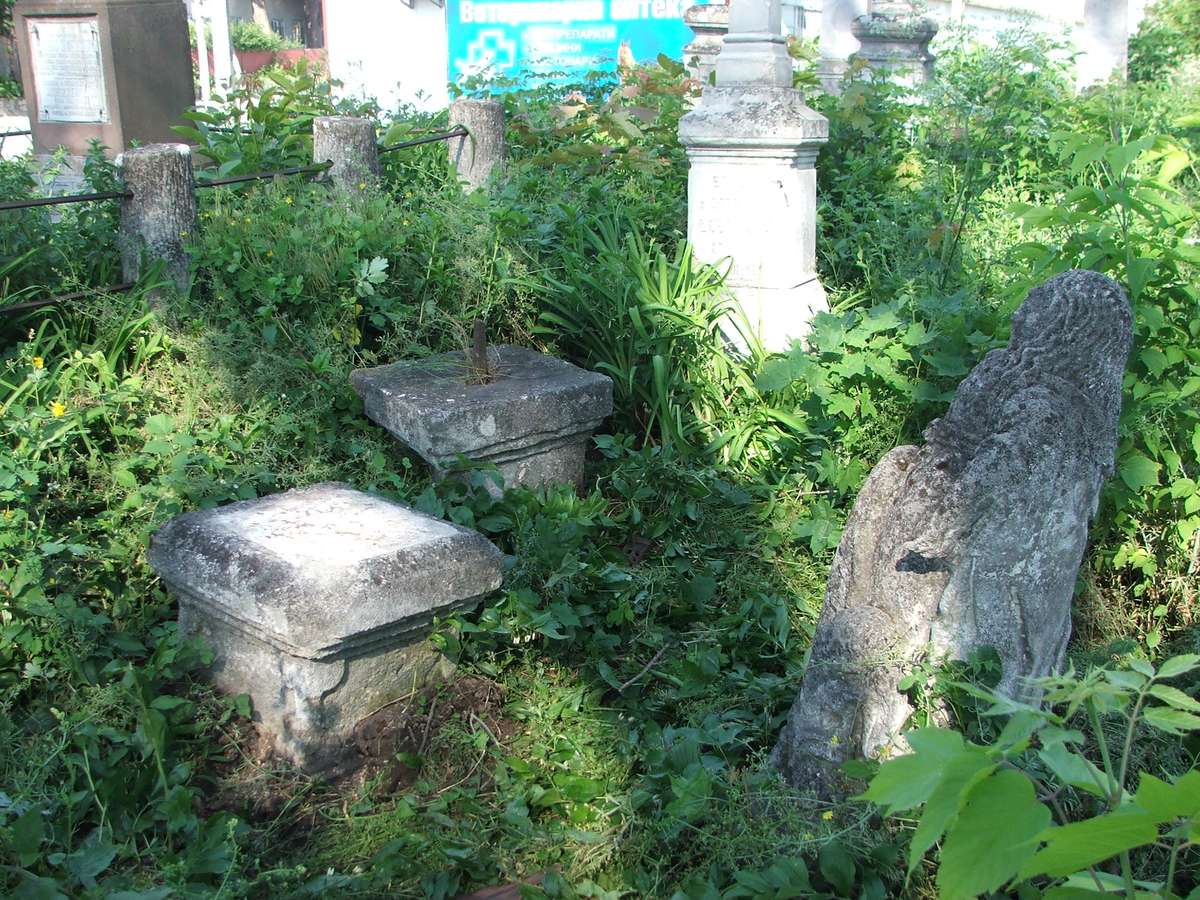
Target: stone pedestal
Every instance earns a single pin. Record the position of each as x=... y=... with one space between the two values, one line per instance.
x=350 y=144
x=532 y=421
x=894 y=42
x=117 y=71
x=752 y=144
x=709 y=23
x=317 y=603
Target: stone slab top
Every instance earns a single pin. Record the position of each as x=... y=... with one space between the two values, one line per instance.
x=751 y=115
x=430 y=405
x=707 y=14
x=325 y=570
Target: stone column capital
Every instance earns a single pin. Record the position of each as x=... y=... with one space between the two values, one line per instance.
x=754 y=118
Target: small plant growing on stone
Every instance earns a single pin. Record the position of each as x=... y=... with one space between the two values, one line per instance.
x=481 y=370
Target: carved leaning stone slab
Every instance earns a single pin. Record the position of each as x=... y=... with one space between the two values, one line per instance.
x=317 y=603
x=532 y=421
x=974 y=539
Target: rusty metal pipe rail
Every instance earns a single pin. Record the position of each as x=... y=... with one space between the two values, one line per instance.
x=260 y=176
x=67 y=198
x=442 y=136
x=28 y=306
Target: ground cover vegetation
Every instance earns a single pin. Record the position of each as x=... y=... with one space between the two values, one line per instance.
x=615 y=701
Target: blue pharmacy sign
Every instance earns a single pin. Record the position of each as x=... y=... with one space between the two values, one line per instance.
x=515 y=38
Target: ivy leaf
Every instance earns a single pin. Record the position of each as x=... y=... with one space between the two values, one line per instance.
x=25 y=836
x=1070 y=848
x=996 y=832
x=1138 y=471
x=33 y=887
x=959 y=775
x=94 y=855
x=837 y=866
x=1179 y=665
x=1073 y=769
x=1165 y=802
x=908 y=781
x=1175 y=697
x=1172 y=721
x=1138 y=275
x=1155 y=360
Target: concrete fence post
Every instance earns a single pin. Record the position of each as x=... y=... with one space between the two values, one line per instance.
x=481 y=152
x=160 y=216
x=350 y=144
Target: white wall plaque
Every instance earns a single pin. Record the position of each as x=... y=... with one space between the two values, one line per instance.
x=68 y=72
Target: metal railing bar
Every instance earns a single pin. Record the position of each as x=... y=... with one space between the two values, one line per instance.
x=29 y=305
x=67 y=198
x=259 y=176
x=443 y=136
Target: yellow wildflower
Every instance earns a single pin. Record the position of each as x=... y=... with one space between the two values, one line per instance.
x=58 y=409
x=827 y=815
x=183 y=234
x=38 y=362
x=8 y=514
x=362 y=185
x=287 y=200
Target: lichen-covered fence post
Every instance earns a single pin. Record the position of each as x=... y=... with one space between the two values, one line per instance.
x=160 y=214
x=480 y=153
x=350 y=144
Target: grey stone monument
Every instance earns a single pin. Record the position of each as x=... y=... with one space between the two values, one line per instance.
x=752 y=146
x=709 y=23
x=532 y=419
x=894 y=41
x=118 y=71
x=976 y=538
x=317 y=603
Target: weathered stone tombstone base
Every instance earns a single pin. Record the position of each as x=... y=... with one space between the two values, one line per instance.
x=752 y=151
x=532 y=421
x=317 y=603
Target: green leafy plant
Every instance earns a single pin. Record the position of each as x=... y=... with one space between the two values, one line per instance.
x=261 y=127
x=1118 y=211
x=252 y=36
x=1030 y=808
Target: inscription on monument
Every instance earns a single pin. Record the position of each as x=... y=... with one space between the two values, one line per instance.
x=68 y=70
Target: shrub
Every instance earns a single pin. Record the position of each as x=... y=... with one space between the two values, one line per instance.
x=1032 y=812
x=252 y=36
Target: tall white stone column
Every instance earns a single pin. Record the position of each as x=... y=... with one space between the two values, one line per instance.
x=752 y=188
x=837 y=40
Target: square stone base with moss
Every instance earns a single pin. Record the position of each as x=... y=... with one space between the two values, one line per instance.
x=530 y=414
x=317 y=603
